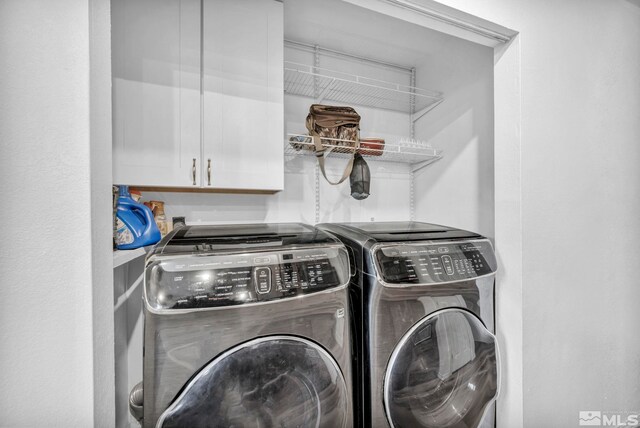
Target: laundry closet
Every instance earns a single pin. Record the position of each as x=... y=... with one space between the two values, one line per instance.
x=207 y=95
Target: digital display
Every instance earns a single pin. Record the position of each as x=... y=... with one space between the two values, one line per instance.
x=418 y=264
x=210 y=284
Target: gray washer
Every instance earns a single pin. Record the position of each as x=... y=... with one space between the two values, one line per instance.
x=247 y=326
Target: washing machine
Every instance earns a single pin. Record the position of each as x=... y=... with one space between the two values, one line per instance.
x=247 y=326
x=422 y=304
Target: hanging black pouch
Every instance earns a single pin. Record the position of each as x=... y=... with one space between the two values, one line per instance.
x=360 y=178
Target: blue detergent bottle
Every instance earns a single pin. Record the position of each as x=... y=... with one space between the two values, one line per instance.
x=135 y=224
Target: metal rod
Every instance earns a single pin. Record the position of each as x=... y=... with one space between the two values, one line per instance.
x=316 y=64
x=320 y=97
x=412 y=102
x=310 y=47
x=412 y=205
x=412 y=128
x=317 y=186
x=316 y=90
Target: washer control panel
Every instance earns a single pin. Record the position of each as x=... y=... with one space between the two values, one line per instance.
x=225 y=280
x=435 y=262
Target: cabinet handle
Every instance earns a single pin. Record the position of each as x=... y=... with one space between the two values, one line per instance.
x=193 y=171
x=209 y=172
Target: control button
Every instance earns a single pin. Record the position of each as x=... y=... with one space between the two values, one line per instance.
x=448 y=264
x=443 y=249
x=263 y=280
x=260 y=260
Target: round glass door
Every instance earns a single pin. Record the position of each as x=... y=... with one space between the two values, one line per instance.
x=278 y=381
x=443 y=373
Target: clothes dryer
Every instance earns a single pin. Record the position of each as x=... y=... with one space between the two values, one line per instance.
x=246 y=326
x=422 y=303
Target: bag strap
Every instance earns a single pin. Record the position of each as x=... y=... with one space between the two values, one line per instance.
x=320 y=153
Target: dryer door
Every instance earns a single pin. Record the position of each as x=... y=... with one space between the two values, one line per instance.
x=443 y=373
x=276 y=381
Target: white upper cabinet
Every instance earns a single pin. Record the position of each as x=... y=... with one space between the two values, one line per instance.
x=243 y=94
x=156 y=92
x=198 y=94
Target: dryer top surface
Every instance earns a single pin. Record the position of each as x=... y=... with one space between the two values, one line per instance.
x=400 y=231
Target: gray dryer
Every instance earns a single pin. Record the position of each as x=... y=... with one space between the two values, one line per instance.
x=422 y=304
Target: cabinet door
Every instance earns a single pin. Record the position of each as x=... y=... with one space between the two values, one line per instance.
x=243 y=121
x=156 y=92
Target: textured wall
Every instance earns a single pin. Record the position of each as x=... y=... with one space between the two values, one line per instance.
x=101 y=206
x=580 y=62
x=45 y=259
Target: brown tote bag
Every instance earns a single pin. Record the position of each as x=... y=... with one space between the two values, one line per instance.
x=342 y=123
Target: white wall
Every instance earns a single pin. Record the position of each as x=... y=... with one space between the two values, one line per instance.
x=46 y=324
x=458 y=190
x=580 y=62
x=128 y=337
x=101 y=209
x=389 y=199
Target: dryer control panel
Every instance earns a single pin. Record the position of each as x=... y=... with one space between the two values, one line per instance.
x=224 y=280
x=424 y=263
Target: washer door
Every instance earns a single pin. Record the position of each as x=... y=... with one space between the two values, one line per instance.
x=443 y=373
x=277 y=381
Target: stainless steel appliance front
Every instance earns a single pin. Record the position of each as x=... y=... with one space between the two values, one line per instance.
x=423 y=323
x=255 y=337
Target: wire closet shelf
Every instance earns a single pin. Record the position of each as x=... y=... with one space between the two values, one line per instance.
x=407 y=151
x=324 y=84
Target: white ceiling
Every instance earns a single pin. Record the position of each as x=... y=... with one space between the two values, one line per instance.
x=345 y=27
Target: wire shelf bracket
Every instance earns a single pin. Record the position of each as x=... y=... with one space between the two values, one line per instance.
x=417 y=115
x=415 y=167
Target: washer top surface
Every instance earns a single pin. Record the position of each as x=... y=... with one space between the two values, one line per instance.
x=223 y=238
